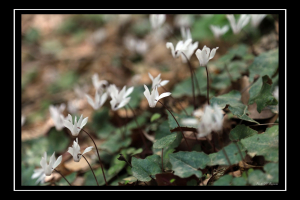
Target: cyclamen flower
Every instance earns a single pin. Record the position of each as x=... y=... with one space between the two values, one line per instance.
x=39 y=173
x=237 y=27
x=180 y=46
x=156 y=82
x=190 y=49
x=218 y=31
x=52 y=164
x=212 y=120
x=100 y=99
x=154 y=96
x=119 y=99
x=205 y=55
x=56 y=115
x=157 y=20
x=98 y=84
x=77 y=126
x=75 y=151
x=256 y=19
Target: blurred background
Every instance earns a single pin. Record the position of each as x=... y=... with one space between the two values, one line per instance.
x=61 y=53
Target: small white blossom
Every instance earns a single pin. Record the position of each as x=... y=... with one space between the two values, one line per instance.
x=183 y=21
x=156 y=82
x=136 y=45
x=57 y=116
x=100 y=99
x=180 y=46
x=157 y=20
x=154 y=96
x=237 y=27
x=276 y=92
x=205 y=55
x=75 y=151
x=119 y=99
x=39 y=173
x=256 y=19
x=212 y=120
x=218 y=31
x=190 y=48
x=52 y=164
x=77 y=126
x=99 y=84
x=80 y=91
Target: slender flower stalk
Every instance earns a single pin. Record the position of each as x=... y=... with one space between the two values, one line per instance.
x=91 y=169
x=98 y=156
x=207 y=85
x=177 y=124
x=63 y=177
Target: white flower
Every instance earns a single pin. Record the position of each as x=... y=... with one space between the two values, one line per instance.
x=183 y=20
x=56 y=115
x=52 y=164
x=77 y=126
x=156 y=82
x=75 y=151
x=157 y=20
x=119 y=99
x=154 y=96
x=256 y=19
x=190 y=48
x=237 y=27
x=136 y=45
x=276 y=92
x=205 y=55
x=98 y=84
x=218 y=31
x=212 y=120
x=80 y=91
x=180 y=46
x=39 y=173
x=100 y=99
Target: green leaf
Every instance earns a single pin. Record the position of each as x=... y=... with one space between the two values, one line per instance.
x=265 y=144
x=27 y=172
x=232 y=152
x=154 y=117
x=90 y=179
x=264 y=96
x=71 y=177
x=165 y=141
x=136 y=96
x=143 y=168
x=265 y=64
x=186 y=164
x=100 y=123
x=240 y=132
x=272 y=171
x=235 y=105
x=115 y=142
x=257 y=177
x=223 y=181
x=164 y=130
x=239 y=181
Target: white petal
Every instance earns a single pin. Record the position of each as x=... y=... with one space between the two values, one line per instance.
x=163 y=95
x=129 y=91
x=90 y=100
x=70 y=150
x=52 y=159
x=170 y=45
x=213 y=52
x=87 y=149
x=103 y=98
x=147 y=93
x=83 y=123
x=57 y=162
x=164 y=82
x=151 y=77
x=123 y=102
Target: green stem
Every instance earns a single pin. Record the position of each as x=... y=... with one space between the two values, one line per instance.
x=91 y=169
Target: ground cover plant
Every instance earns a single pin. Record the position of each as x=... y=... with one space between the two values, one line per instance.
x=150 y=100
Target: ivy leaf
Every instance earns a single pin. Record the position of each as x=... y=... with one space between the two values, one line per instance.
x=272 y=171
x=232 y=152
x=239 y=181
x=240 y=132
x=186 y=164
x=265 y=144
x=154 y=117
x=143 y=168
x=264 y=64
x=115 y=142
x=264 y=96
x=235 y=105
x=257 y=177
x=223 y=181
x=163 y=131
x=165 y=141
